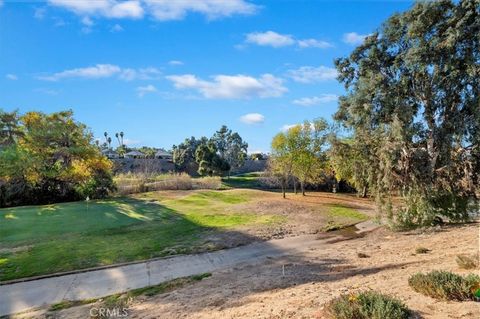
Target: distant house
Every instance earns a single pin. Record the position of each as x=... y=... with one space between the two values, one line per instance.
x=110 y=154
x=161 y=154
x=134 y=154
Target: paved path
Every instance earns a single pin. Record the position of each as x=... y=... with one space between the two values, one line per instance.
x=26 y=295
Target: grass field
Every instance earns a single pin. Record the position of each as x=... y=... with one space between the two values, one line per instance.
x=247 y=180
x=38 y=240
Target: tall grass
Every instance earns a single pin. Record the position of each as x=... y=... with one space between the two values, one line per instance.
x=131 y=183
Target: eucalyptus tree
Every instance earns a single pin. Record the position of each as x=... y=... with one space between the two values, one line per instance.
x=414 y=87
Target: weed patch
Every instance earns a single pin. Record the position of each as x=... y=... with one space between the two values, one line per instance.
x=366 y=305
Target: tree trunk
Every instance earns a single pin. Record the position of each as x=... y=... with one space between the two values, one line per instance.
x=295 y=186
x=283 y=188
x=364 y=191
x=302 y=185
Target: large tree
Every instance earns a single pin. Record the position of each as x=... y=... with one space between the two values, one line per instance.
x=210 y=163
x=184 y=153
x=299 y=155
x=308 y=142
x=230 y=146
x=414 y=87
x=53 y=159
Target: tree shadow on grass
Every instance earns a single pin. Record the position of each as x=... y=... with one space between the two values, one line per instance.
x=155 y=231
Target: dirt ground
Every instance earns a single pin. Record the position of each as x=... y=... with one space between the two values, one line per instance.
x=298 y=286
x=300 y=215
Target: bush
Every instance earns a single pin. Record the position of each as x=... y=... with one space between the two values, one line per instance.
x=467 y=262
x=208 y=182
x=366 y=305
x=445 y=285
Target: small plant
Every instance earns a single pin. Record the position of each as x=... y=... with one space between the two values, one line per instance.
x=467 y=262
x=422 y=250
x=366 y=305
x=445 y=285
x=362 y=255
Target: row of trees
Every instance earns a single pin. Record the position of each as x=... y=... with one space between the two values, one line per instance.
x=47 y=158
x=411 y=114
x=217 y=155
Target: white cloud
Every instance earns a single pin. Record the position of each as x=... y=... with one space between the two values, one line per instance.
x=231 y=86
x=315 y=100
x=165 y=10
x=12 y=77
x=277 y=40
x=40 y=13
x=354 y=38
x=310 y=74
x=87 y=21
x=314 y=43
x=162 y=10
x=105 y=71
x=150 y=73
x=175 y=62
x=252 y=118
x=105 y=8
x=286 y=127
x=116 y=28
x=270 y=38
x=131 y=142
x=92 y=72
x=142 y=90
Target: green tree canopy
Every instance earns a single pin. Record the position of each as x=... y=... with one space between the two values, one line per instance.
x=53 y=159
x=414 y=86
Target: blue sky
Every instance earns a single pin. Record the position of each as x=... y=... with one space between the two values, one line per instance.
x=163 y=70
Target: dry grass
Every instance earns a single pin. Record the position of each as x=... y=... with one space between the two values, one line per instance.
x=141 y=183
x=467 y=261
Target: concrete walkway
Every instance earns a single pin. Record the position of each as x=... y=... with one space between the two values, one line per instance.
x=18 y=297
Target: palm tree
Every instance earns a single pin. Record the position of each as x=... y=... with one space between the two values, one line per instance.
x=106 y=136
x=118 y=139
x=121 y=136
x=109 y=141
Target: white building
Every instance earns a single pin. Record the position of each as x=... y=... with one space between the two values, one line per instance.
x=134 y=154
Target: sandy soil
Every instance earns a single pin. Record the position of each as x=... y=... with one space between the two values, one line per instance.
x=298 y=286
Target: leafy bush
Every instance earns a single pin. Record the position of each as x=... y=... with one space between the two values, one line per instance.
x=445 y=285
x=467 y=262
x=366 y=305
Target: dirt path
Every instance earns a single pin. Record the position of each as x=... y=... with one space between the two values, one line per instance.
x=317 y=274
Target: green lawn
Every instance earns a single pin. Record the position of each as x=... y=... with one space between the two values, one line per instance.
x=247 y=180
x=39 y=240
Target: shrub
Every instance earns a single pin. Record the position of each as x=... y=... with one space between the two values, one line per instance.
x=208 y=182
x=366 y=305
x=421 y=250
x=138 y=183
x=467 y=262
x=445 y=285
x=362 y=255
